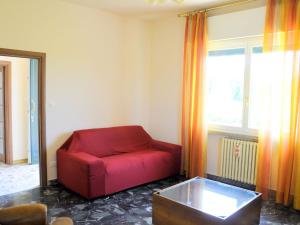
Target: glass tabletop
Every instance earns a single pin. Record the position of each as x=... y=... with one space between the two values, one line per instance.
x=212 y=197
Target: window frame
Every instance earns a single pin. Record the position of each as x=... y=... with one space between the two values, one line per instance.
x=248 y=43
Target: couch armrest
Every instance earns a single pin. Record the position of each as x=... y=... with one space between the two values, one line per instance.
x=174 y=149
x=34 y=214
x=81 y=172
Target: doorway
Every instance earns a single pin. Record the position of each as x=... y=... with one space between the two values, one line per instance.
x=22 y=120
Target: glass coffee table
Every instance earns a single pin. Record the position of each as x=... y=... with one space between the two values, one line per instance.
x=206 y=202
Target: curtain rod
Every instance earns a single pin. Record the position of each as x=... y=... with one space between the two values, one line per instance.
x=236 y=3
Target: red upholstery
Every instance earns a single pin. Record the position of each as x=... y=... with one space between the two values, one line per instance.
x=109 y=141
x=103 y=161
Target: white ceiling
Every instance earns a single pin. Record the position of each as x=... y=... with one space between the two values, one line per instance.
x=147 y=10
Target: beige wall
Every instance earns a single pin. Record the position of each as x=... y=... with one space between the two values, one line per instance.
x=136 y=71
x=19 y=106
x=166 y=76
x=89 y=82
x=104 y=69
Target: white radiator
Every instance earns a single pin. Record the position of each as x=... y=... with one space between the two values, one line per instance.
x=238 y=159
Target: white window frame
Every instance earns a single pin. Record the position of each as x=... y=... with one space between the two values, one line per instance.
x=247 y=43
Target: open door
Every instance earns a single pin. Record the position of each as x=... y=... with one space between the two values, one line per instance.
x=37 y=113
x=34 y=113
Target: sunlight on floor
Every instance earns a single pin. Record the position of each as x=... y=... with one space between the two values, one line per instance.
x=16 y=178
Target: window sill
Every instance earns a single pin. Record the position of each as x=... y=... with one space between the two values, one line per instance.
x=234 y=133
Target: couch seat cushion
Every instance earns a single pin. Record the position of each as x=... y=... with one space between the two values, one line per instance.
x=136 y=168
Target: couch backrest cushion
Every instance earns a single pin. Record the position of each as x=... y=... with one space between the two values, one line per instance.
x=110 y=141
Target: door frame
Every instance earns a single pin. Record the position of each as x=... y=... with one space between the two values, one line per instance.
x=8 y=159
x=41 y=57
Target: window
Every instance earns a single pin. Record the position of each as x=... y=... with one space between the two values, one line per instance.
x=271 y=76
x=225 y=80
x=233 y=69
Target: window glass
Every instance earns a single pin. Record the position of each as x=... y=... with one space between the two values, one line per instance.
x=256 y=75
x=225 y=86
x=270 y=77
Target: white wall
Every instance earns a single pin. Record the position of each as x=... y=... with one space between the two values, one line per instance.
x=19 y=106
x=88 y=79
x=167 y=60
x=244 y=23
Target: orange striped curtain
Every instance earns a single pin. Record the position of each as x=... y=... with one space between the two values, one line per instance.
x=280 y=138
x=194 y=132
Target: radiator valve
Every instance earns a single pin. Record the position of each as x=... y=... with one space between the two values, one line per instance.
x=237 y=150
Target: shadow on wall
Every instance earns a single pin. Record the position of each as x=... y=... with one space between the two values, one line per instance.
x=51 y=154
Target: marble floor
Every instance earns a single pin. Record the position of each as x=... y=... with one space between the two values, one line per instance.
x=130 y=207
x=19 y=177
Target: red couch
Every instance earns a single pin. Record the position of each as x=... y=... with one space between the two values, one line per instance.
x=103 y=161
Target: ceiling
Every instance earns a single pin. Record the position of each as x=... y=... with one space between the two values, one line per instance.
x=147 y=10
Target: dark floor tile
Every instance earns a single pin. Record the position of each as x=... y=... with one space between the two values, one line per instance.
x=130 y=207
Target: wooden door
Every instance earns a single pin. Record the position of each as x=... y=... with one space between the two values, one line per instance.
x=2 y=145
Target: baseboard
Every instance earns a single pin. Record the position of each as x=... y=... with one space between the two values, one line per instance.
x=52 y=182
x=272 y=193
x=20 y=161
x=231 y=182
